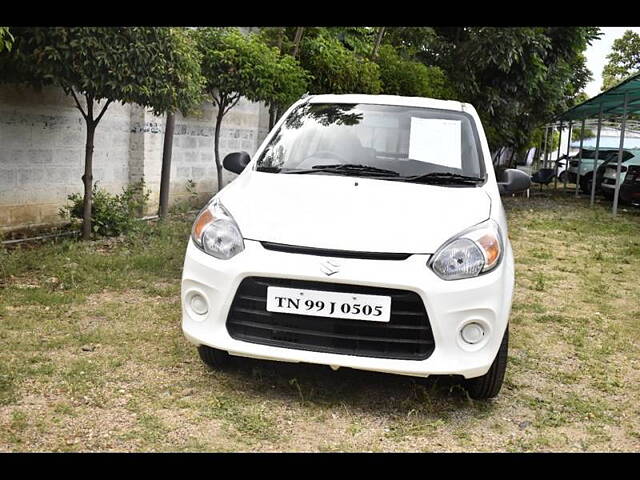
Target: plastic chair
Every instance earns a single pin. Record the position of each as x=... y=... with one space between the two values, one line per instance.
x=544 y=176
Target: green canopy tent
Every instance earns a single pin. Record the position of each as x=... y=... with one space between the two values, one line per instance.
x=619 y=101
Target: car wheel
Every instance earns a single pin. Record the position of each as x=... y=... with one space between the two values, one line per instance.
x=489 y=384
x=562 y=177
x=585 y=185
x=214 y=358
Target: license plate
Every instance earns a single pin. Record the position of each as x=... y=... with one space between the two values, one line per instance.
x=352 y=306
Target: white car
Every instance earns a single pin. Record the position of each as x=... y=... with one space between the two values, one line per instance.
x=631 y=157
x=367 y=232
x=587 y=167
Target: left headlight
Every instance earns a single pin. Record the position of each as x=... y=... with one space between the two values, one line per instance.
x=216 y=232
x=473 y=252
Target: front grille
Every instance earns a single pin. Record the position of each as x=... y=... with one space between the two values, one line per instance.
x=406 y=336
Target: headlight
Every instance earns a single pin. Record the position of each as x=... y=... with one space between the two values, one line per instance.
x=472 y=252
x=216 y=232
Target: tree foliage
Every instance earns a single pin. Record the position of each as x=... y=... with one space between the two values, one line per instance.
x=401 y=76
x=6 y=39
x=412 y=42
x=153 y=67
x=624 y=60
x=237 y=65
x=336 y=69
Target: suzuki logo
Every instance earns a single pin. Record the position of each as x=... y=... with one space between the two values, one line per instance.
x=329 y=267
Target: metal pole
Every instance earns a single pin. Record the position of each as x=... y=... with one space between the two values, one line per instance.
x=580 y=158
x=555 y=176
x=624 y=123
x=595 y=159
x=544 y=157
x=537 y=157
x=566 y=160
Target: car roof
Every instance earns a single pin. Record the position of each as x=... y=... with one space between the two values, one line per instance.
x=391 y=100
x=635 y=160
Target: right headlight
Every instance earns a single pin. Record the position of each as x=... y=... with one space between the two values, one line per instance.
x=216 y=232
x=475 y=251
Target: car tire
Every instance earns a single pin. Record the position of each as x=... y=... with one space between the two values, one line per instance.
x=562 y=176
x=488 y=385
x=585 y=184
x=214 y=359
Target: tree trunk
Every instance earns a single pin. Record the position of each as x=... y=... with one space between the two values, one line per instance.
x=376 y=46
x=513 y=153
x=216 y=143
x=296 y=41
x=88 y=180
x=165 y=176
x=279 y=43
x=496 y=157
x=273 y=115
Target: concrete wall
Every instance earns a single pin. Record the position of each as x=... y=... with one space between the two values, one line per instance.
x=42 y=138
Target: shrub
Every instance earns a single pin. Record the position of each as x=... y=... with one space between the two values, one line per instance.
x=111 y=215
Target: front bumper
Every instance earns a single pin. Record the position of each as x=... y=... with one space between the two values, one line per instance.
x=449 y=304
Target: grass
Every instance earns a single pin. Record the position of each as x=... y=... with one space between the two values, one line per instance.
x=93 y=357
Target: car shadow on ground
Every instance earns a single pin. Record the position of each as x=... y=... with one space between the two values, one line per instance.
x=357 y=390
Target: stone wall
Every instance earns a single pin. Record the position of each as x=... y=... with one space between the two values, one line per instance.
x=42 y=138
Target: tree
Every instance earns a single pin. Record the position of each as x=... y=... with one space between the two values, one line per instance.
x=187 y=60
x=401 y=76
x=335 y=69
x=296 y=41
x=152 y=67
x=411 y=42
x=376 y=45
x=624 y=60
x=237 y=65
x=291 y=79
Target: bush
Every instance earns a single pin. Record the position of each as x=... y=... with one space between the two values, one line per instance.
x=111 y=215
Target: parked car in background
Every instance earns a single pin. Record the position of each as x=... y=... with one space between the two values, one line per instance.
x=586 y=171
x=611 y=157
x=630 y=158
x=630 y=187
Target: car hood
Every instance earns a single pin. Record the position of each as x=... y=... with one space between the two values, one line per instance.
x=349 y=213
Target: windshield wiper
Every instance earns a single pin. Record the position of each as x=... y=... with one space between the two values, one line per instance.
x=346 y=168
x=444 y=178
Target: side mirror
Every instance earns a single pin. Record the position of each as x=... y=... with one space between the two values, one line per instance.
x=514 y=181
x=236 y=162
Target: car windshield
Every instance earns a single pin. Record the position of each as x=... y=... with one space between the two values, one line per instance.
x=384 y=141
